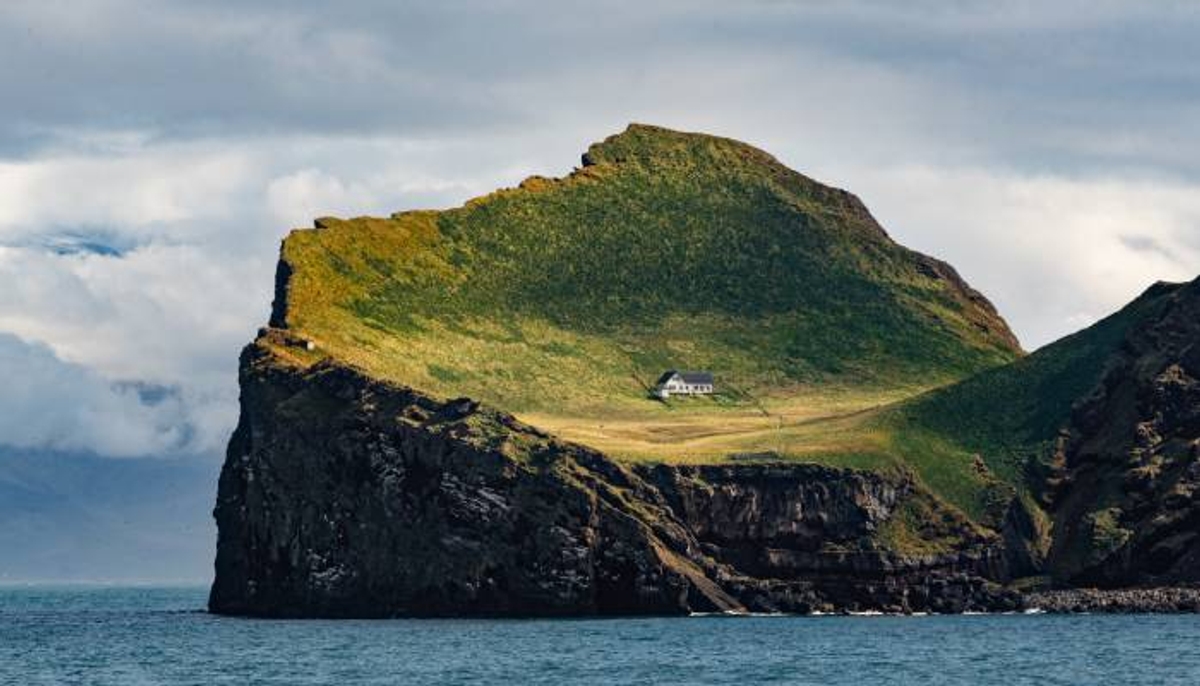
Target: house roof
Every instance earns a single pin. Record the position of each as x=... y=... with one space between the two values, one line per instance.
x=688 y=377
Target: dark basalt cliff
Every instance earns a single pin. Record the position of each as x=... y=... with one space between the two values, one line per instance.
x=344 y=496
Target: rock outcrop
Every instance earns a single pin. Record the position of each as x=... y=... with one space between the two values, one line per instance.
x=1126 y=490
x=345 y=496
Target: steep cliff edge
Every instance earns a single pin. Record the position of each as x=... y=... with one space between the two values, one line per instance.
x=345 y=496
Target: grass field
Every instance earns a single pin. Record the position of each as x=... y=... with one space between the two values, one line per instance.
x=714 y=428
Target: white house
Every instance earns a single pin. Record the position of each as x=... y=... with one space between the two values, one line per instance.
x=674 y=382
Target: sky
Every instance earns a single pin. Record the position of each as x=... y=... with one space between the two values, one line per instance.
x=153 y=154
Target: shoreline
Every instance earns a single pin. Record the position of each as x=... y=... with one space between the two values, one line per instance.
x=1129 y=601
x=1145 y=600
x=1155 y=600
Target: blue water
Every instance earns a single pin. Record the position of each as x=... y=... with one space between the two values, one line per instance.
x=160 y=636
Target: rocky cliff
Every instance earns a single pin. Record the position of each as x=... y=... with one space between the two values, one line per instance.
x=1125 y=485
x=345 y=496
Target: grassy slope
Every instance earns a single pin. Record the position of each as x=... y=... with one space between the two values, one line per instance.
x=563 y=299
x=1006 y=415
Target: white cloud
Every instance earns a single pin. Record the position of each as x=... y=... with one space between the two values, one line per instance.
x=51 y=404
x=144 y=190
x=197 y=226
x=1053 y=253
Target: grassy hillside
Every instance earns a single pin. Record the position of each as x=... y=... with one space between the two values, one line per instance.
x=972 y=440
x=1011 y=412
x=563 y=299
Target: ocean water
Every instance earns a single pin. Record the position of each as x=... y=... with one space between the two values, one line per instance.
x=161 y=636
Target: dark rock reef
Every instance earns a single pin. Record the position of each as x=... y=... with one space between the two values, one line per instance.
x=345 y=496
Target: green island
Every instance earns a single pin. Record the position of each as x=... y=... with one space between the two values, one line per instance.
x=478 y=396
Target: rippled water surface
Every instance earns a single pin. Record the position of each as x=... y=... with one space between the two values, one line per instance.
x=160 y=636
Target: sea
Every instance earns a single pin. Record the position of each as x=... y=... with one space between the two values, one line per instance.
x=161 y=635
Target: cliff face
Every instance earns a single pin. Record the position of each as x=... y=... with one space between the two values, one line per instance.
x=1126 y=487
x=344 y=496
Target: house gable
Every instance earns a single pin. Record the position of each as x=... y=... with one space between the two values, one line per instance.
x=666 y=377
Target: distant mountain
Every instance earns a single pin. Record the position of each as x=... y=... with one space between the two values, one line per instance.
x=76 y=517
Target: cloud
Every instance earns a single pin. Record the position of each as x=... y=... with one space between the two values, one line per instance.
x=203 y=69
x=1061 y=85
x=1053 y=253
x=53 y=405
x=158 y=267
x=1143 y=243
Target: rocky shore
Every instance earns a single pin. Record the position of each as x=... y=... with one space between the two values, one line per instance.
x=1168 y=599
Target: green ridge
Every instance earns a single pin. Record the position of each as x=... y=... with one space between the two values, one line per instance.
x=1012 y=412
x=664 y=250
